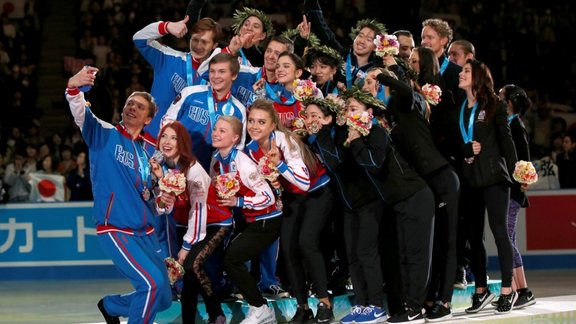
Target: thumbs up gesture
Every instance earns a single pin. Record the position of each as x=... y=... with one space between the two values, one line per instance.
x=178 y=28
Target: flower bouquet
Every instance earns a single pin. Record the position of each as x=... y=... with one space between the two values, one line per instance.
x=175 y=270
x=268 y=169
x=361 y=122
x=299 y=126
x=525 y=173
x=304 y=89
x=173 y=181
x=226 y=185
x=339 y=103
x=432 y=93
x=386 y=44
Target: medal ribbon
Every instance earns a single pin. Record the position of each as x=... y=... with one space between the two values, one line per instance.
x=467 y=136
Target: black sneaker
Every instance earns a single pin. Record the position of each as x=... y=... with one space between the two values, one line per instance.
x=525 y=298
x=506 y=303
x=109 y=318
x=461 y=282
x=479 y=301
x=323 y=314
x=302 y=316
x=275 y=291
x=439 y=313
x=409 y=315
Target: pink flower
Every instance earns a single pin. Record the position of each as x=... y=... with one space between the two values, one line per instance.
x=226 y=185
x=173 y=181
x=432 y=93
x=267 y=169
x=360 y=122
x=175 y=270
x=386 y=44
x=304 y=89
x=525 y=173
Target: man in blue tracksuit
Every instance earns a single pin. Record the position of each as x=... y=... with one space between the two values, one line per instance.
x=123 y=209
x=174 y=70
x=199 y=107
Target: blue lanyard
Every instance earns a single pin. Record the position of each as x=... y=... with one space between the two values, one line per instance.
x=226 y=110
x=444 y=65
x=190 y=73
x=143 y=165
x=226 y=160
x=511 y=118
x=272 y=95
x=244 y=59
x=467 y=136
x=382 y=94
x=349 y=71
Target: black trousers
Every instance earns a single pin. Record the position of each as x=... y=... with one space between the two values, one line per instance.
x=248 y=244
x=445 y=185
x=414 y=224
x=361 y=235
x=495 y=200
x=303 y=220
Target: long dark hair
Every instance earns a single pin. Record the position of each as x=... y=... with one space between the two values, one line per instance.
x=518 y=97
x=483 y=88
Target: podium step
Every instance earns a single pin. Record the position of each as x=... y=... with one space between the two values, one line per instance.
x=285 y=308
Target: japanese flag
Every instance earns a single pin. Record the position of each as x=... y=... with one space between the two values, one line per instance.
x=46 y=187
x=13 y=8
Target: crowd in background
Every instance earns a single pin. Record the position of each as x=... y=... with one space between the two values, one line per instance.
x=523 y=42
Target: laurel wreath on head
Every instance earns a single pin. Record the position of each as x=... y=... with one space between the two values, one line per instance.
x=363 y=97
x=375 y=25
x=293 y=32
x=321 y=102
x=242 y=14
x=314 y=51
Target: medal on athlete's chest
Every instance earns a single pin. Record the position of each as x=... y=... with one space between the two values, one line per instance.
x=146 y=194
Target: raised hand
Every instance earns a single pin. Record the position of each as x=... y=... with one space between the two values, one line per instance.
x=86 y=76
x=178 y=28
x=304 y=28
x=274 y=153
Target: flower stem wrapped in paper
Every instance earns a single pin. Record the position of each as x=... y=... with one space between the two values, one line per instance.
x=175 y=270
x=525 y=173
x=432 y=93
x=226 y=185
x=386 y=45
x=268 y=169
x=361 y=122
x=304 y=89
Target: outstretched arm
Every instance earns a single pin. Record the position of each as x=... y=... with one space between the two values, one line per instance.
x=319 y=27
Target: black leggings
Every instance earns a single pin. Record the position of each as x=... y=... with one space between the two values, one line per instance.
x=494 y=199
x=255 y=238
x=195 y=278
x=303 y=220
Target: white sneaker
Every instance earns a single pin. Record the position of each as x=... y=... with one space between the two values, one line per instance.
x=260 y=315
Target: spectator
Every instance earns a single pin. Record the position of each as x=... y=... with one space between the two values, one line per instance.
x=78 y=181
x=567 y=163
x=16 y=177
